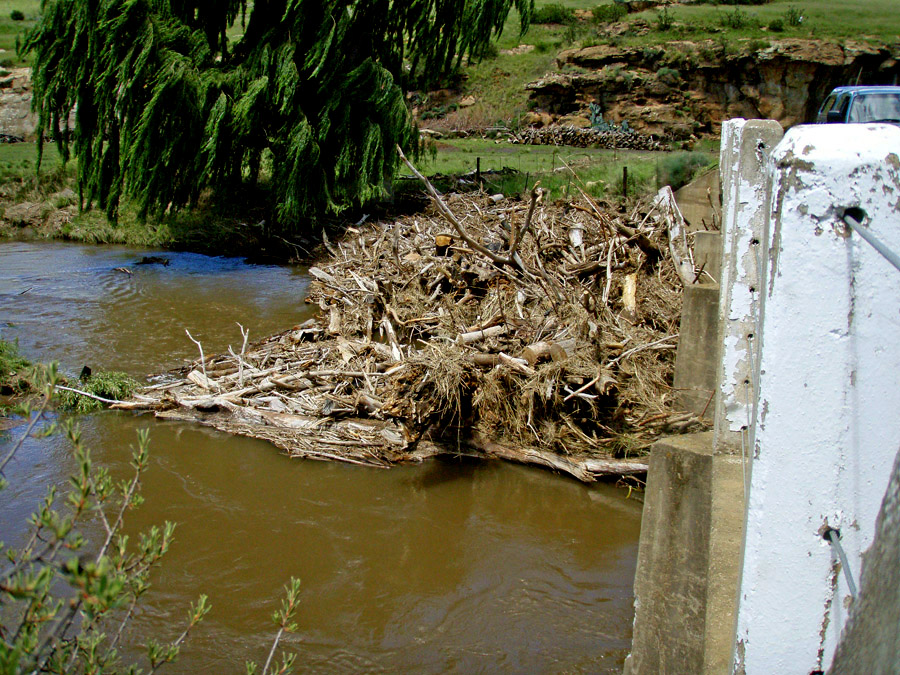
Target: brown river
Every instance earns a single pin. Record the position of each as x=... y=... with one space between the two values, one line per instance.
x=450 y=566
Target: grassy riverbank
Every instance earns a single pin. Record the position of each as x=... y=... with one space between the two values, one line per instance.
x=562 y=170
x=44 y=205
x=19 y=381
x=37 y=206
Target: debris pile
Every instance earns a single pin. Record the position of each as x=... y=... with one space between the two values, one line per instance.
x=587 y=137
x=539 y=333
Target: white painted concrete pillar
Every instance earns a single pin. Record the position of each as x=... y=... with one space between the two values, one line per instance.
x=746 y=148
x=827 y=426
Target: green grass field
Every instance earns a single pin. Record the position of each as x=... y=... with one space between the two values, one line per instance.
x=19 y=160
x=11 y=30
x=562 y=170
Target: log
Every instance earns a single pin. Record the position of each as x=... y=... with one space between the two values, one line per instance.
x=541 y=351
x=479 y=335
x=519 y=365
x=629 y=297
x=201 y=380
x=485 y=360
x=586 y=470
x=334 y=321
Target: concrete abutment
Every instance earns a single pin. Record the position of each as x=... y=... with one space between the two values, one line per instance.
x=733 y=573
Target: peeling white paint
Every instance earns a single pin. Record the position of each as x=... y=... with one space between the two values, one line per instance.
x=826 y=422
x=745 y=149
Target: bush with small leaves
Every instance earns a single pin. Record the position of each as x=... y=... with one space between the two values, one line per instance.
x=65 y=602
x=553 y=13
x=609 y=13
x=664 y=19
x=793 y=16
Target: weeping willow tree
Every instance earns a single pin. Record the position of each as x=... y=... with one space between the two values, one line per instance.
x=164 y=106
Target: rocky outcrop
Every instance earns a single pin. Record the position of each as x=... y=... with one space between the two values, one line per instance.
x=687 y=89
x=16 y=118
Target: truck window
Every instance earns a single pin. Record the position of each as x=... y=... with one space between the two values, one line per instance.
x=875 y=108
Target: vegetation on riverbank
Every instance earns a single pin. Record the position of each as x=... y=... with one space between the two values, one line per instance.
x=560 y=168
x=65 y=600
x=12 y=366
x=45 y=206
x=20 y=381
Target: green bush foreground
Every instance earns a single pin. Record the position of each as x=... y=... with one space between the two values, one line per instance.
x=65 y=601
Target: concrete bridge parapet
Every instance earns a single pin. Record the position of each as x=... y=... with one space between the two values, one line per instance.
x=807 y=370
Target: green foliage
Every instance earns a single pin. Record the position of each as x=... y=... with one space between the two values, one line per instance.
x=110 y=385
x=664 y=19
x=11 y=362
x=17 y=15
x=65 y=602
x=284 y=619
x=166 y=107
x=439 y=111
x=553 y=13
x=732 y=2
x=598 y=123
x=679 y=168
x=609 y=13
x=668 y=75
x=776 y=25
x=737 y=19
x=793 y=16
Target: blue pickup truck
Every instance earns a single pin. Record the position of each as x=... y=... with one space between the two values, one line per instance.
x=857 y=104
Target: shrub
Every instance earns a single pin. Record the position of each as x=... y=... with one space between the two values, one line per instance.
x=776 y=25
x=735 y=19
x=10 y=361
x=609 y=13
x=793 y=17
x=64 y=601
x=668 y=75
x=110 y=385
x=679 y=168
x=664 y=19
x=16 y=15
x=553 y=13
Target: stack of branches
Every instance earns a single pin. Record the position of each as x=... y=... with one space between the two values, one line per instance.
x=539 y=333
x=587 y=137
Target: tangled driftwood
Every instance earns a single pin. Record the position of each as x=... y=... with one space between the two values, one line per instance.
x=539 y=333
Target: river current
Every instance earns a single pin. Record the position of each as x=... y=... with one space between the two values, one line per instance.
x=449 y=566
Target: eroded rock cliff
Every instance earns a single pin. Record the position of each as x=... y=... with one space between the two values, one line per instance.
x=685 y=89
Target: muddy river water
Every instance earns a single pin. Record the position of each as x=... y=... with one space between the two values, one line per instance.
x=448 y=566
